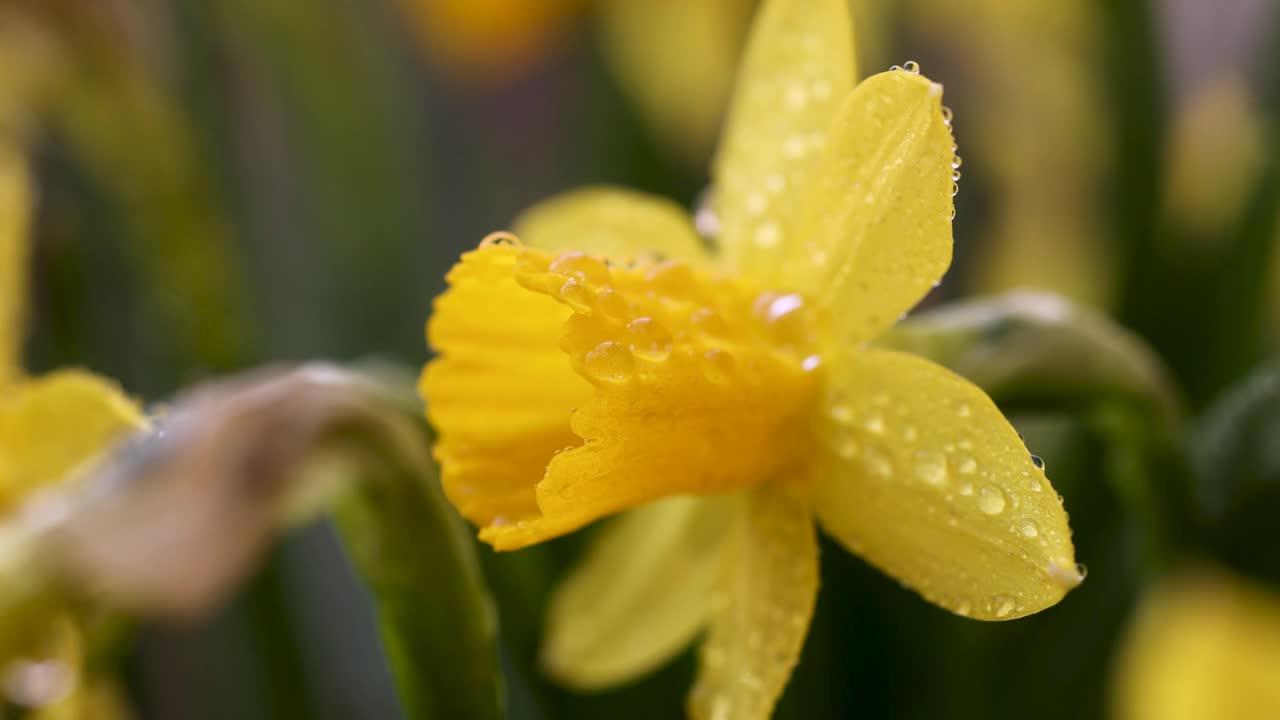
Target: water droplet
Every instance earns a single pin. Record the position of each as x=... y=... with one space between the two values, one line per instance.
x=964 y=608
x=966 y=465
x=811 y=363
x=784 y=317
x=956 y=162
x=912 y=67
x=611 y=303
x=1002 y=605
x=768 y=235
x=671 y=278
x=576 y=295
x=609 y=362
x=648 y=339
x=910 y=434
x=1037 y=461
x=963 y=410
x=500 y=238
x=955 y=189
x=931 y=467
x=581 y=266
x=842 y=414
x=877 y=462
x=1082 y=571
x=1035 y=486
x=947 y=115
x=991 y=500
x=966 y=489
x=955 y=176
x=797 y=97
x=846 y=446
x=953 y=217
x=895 y=68
x=1028 y=528
x=718 y=366
x=708 y=322
x=874 y=424
x=794 y=146
x=756 y=203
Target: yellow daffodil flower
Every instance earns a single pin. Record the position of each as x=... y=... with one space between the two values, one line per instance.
x=734 y=397
x=1203 y=646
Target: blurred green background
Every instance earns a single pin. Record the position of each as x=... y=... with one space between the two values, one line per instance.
x=228 y=183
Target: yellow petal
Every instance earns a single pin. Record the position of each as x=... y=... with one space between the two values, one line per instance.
x=51 y=425
x=676 y=60
x=921 y=475
x=875 y=233
x=613 y=222
x=798 y=66
x=501 y=392
x=695 y=392
x=15 y=207
x=641 y=594
x=764 y=603
x=1202 y=647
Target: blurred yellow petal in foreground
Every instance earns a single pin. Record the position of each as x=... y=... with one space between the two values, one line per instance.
x=746 y=374
x=1205 y=646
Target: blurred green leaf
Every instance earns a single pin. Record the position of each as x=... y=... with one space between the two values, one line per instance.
x=438 y=623
x=1236 y=451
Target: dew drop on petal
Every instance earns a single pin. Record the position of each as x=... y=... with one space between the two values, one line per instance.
x=966 y=465
x=877 y=462
x=718 y=366
x=912 y=67
x=1028 y=528
x=1002 y=605
x=874 y=424
x=991 y=500
x=581 y=266
x=500 y=238
x=648 y=339
x=609 y=362
x=576 y=295
x=931 y=467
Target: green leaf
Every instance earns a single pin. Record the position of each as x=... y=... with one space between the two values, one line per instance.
x=438 y=622
x=1236 y=452
x=1039 y=349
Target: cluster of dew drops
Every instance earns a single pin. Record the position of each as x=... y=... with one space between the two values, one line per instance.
x=913 y=67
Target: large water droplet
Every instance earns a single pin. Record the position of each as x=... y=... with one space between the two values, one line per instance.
x=576 y=295
x=1028 y=528
x=1037 y=461
x=708 y=322
x=912 y=67
x=648 y=339
x=991 y=500
x=931 y=467
x=609 y=362
x=671 y=278
x=581 y=266
x=611 y=303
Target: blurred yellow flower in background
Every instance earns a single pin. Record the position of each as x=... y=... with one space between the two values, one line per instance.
x=1204 y=646
x=747 y=376
x=49 y=427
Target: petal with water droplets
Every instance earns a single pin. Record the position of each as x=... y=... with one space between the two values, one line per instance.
x=768 y=587
x=922 y=475
x=798 y=66
x=875 y=232
x=641 y=594
x=612 y=222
